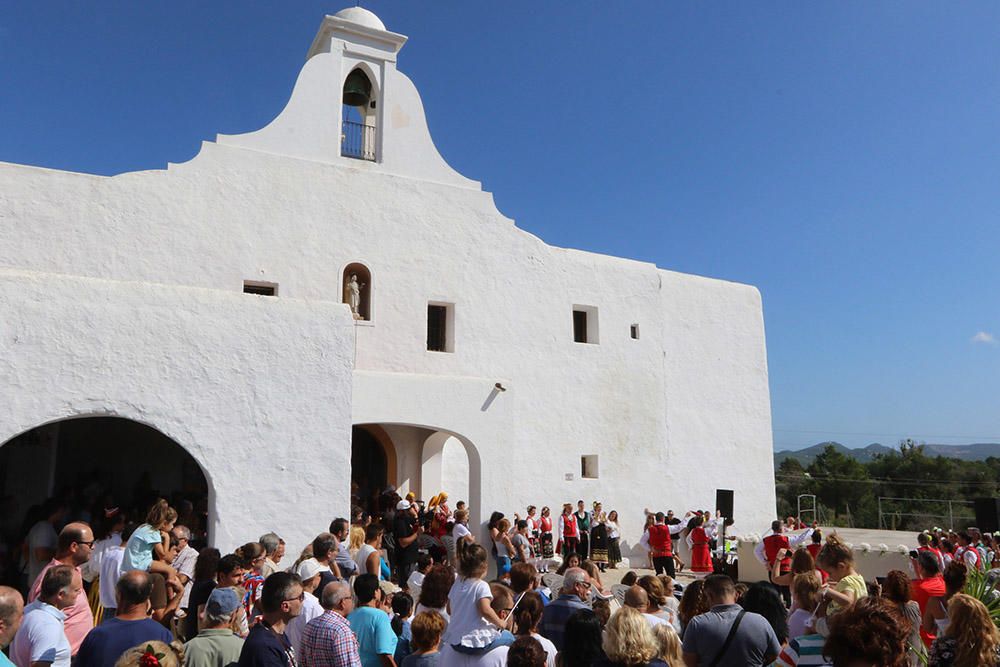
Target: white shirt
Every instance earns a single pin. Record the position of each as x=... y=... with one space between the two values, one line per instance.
x=495 y=658
x=92 y=568
x=362 y=556
x=550 y=649
x=464 y=597
x=459 y=531
x=41 y=535
x=110 y=572
x=42 y=637
x=654 y=620
x=311 y=608
x=443 y=611
x=415 y=583
x=184 y=563
x=793 y=541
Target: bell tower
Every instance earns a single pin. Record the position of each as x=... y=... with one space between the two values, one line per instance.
x=366 y=52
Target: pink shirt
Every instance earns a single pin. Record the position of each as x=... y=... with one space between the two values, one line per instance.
x=79 y=619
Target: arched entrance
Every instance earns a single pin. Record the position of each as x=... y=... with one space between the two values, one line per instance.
x=89 y=464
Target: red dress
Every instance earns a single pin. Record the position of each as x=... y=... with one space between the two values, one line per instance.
x=701 y=558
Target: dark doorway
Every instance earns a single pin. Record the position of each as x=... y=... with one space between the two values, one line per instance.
x=90 y=464
x=369 y=469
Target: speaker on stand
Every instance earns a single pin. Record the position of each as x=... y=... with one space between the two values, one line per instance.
x=721 y=561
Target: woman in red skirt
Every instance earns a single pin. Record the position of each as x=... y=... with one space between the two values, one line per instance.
x=701 y=557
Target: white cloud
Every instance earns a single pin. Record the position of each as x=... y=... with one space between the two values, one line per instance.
x=984 y=337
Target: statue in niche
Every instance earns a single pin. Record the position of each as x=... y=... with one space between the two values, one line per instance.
x=352 y=296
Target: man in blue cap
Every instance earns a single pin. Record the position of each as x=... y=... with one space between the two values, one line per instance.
x=216 y=644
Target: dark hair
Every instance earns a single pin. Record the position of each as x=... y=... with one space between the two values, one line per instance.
x=522 y=575
x=923 y=539
x=526 y=651
x=70 y=534
x=249 y=552
x=207 y=564
x=629 y=578
x=365 y=586
x=372 y=531
x=582 y=640
x=521 y=524
x=529 y=612
x=56 y=578
x=803 y=562
x=437 y=584
x=228 y=563
x=817 y=536
x=719 y=585
x=872 y=629
x=472 y=561
x=323 y=545
x=762 y=598
x=338 y=525
x=276 y=590
x=402 y=605
x=494 y=518
x=693 y=602
x=424 y=561
x=897 y=587
x=928 y=562
x=603 y=610
x=133 y=588
x=954 y=576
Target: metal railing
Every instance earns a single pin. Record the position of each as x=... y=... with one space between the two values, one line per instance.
x=890 y=514
x=357 y=140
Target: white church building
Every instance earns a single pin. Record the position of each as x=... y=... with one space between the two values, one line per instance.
x=324 y=301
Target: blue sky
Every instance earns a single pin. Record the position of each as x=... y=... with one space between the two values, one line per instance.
x=840 y=156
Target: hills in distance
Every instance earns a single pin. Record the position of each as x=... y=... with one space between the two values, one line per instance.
x=974 y=452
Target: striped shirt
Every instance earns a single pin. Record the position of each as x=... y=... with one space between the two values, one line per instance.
x=804 y=650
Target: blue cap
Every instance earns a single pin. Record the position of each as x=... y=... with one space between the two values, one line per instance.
x=222 y=601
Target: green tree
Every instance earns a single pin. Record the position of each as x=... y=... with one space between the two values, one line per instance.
x=840 y=483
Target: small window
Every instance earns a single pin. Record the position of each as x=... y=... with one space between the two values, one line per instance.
x=440 y=327
x=634 y=330
x=260 y=289
x=588 y=466
x=585 y=324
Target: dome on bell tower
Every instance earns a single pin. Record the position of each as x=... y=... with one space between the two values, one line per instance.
x=361 y=16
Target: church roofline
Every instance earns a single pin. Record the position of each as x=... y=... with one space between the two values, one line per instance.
x=332 y=25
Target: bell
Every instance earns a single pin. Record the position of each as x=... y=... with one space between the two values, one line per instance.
x=357 y=89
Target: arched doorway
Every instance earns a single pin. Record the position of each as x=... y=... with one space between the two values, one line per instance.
x=369 y=468
x=89 y=464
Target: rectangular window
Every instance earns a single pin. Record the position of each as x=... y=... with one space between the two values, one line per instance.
x=440 y=327
x=588 y=466
x=634 y=329
x=259 y=288
x=585 y=324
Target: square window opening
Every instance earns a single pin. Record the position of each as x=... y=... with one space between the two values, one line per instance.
x=634 y=331
x=440 y=327
x=585 y=328
x=589 y=466
x=260 y=288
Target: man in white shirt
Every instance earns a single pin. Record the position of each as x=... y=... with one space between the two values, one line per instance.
x=310 y=572
x=184 y=561
x=110 y=573
x=42 y=637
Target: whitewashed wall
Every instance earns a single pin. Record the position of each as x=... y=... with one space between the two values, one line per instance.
x=672 y=416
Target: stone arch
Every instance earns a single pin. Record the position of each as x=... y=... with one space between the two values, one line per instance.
x=366 y=309
x=88 y=448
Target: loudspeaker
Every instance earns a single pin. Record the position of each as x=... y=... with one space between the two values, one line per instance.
x=987 y=514
x=724 y=502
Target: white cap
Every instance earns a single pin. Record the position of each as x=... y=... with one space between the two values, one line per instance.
x=402 y=505
x=309 y=568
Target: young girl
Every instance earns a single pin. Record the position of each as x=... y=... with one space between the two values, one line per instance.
x=474 y=626
x=837 y=560
x=402 y=611
x=523 y=552
x=252 y=555
x=426 y=630
x=149 y=544
x=614 y=533
x=527 y=617
x=545 y=539
x=505 y=549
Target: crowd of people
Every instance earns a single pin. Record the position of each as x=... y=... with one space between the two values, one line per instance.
x=408 y=585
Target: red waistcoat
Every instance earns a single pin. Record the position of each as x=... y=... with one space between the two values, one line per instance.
x=773 y=544
x=660 y=544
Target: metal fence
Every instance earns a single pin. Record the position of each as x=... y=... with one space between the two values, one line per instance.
x=357 y=140
x=891 y=511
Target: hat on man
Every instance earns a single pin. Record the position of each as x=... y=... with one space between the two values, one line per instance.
x=402 y=505
x=309 y=568
x=222 y=601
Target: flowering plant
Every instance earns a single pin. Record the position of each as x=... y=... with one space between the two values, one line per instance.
x=150 y=658
x=864 y=547
x=883 y=549
x=753 y=538
x=903 y=549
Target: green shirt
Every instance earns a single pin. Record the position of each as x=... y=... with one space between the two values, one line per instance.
x=213 y=648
